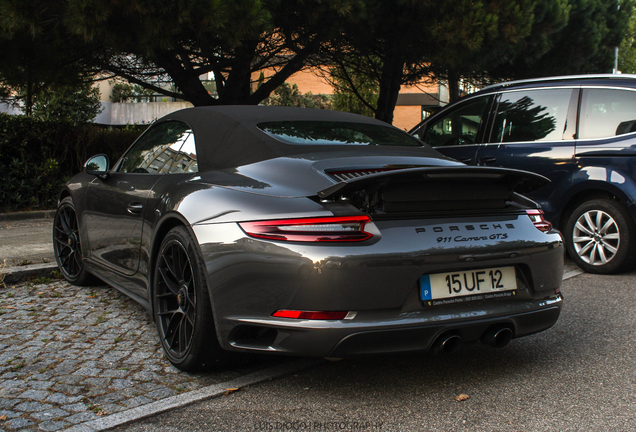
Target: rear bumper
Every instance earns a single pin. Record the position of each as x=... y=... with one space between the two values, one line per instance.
x=422 y=338
x=402 y=334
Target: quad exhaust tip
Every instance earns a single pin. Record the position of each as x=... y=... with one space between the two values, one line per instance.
x=447 y=344
x=497 y=336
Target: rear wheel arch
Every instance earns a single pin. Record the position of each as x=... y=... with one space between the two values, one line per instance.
x=170 y=221
x=582 y=197
x=163 y=228
x=64 y=194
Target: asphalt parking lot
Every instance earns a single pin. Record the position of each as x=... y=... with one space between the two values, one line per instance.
x=578 y=376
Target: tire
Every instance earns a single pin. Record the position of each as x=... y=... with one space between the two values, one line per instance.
x=181 y=305
x=600 y=236
x=67 y=246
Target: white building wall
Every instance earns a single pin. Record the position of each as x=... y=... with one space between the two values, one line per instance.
x=9 y=109
x=120 y=114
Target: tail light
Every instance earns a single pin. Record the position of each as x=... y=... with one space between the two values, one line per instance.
x=334 y=229
x=314 y=315
x=536 y=216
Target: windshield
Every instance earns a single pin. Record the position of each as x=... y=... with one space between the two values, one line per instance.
x=337 y=133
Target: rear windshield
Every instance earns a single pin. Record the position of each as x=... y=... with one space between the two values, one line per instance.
x=337 y=133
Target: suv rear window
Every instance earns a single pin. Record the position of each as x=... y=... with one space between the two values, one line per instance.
x=607 y=112
x=337 y=133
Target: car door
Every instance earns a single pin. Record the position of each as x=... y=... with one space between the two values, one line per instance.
x=117 y=206
x=534 y=130
x=458 y=132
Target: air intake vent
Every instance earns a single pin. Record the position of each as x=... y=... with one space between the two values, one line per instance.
x=352 y=174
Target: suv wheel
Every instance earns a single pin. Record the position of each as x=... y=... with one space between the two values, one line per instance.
x=599 y=235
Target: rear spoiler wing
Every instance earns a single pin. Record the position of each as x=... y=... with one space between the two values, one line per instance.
x=515 y=180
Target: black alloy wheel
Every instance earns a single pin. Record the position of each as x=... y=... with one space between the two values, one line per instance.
x=182 y=306
x=67 y=245
x=600 y=236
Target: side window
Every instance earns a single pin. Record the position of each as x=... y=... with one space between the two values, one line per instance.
x=458 y=127
x=156 y=151
x=534 y=115
x=185 y=160
x=607 y=112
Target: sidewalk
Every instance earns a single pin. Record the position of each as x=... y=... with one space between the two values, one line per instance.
x=26 y=247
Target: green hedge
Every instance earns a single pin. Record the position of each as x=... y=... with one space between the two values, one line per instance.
x=38 y=157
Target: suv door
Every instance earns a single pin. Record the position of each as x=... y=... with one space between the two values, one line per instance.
x=534 y=130
x=458 y=133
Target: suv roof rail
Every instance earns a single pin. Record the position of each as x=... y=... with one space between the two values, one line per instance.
x=560 y=78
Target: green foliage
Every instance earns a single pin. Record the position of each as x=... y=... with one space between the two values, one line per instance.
x=67 y=104
x=38 y=156
x=354 y=92
x=584 y=42
x=627 y=51
x=289 y=95
x=123 y=92
x=37 y=52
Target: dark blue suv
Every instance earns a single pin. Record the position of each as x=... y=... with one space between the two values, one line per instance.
x=580 y=132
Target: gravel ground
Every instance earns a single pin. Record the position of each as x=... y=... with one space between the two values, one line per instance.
x=70 y=355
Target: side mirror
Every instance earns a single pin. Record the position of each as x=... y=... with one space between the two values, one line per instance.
x=98 y=166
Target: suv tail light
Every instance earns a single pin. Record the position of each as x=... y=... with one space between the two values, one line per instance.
x=536 y=216
x=336 y=228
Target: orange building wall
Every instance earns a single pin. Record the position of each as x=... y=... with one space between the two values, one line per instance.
x=307 y=82
x=406 y=117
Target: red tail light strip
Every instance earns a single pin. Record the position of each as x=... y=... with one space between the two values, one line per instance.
x=332 y=229
x=311 y=315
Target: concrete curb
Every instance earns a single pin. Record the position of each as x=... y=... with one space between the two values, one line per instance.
x=182 y=400
x=17 y=274
x=19 y=216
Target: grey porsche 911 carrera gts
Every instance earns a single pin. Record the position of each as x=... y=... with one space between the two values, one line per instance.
x=309 y=232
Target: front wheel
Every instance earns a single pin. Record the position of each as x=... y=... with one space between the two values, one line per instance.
x=182 y=309
x=600 y=236
x=67 y=246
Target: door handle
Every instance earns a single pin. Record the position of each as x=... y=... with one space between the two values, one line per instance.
x=487 y=160
x=135 y=207
x=467 y=161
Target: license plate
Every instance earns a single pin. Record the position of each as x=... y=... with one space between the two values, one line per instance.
x=466 y=283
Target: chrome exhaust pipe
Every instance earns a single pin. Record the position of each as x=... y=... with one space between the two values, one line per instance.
x=447 y=344
x=497 y=336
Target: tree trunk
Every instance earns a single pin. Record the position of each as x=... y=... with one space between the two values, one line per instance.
x=188 y=83
x=237 y=87
x=390 y=83
x=453 y=86
x=29 y=93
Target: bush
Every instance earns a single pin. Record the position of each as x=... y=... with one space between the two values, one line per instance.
x=37 y=157
x=67 y=104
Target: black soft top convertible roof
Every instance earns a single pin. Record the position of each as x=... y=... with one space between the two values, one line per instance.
x=228 y=136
